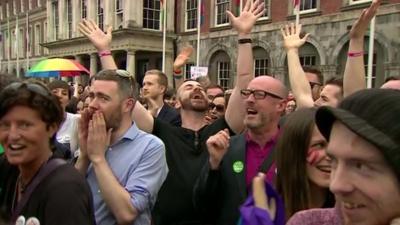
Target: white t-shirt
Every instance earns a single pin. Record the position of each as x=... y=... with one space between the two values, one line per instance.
x=68 y=132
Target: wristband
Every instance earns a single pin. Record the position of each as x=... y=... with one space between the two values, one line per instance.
x=177 y=71
x=245 y=41
x=104 y=53
x=355 y=54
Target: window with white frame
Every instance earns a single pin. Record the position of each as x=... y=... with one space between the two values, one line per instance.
x=69 y=18
x=1 y=12
x=22 y=4
x=221 y=6
x=308 y=6
x=191 y=14
x=54 y=9
x=352 y=2
x=266 y=7
x=261 y=66
x=37 y=40
x=83 y=9
x=39 y=3
x=21 y=38
x=119 y=12
x=151 y=14
x=30 y=4
x=6 y=45
x=373 y=67
x=7 y=10
x=223 y=74
x=12 y=43
x=45 y=50
x=29 y=41
x=100 y=14
x=308 y=60
x=187 y=70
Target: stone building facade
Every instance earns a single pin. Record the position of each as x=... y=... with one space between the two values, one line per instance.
x=328 y=22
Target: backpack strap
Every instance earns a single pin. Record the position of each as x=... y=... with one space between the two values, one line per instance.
x=47 y=168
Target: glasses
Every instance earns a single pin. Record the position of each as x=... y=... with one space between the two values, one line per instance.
x=258 y=94
x=313 y=84
x=35 y=88
x=218 y=107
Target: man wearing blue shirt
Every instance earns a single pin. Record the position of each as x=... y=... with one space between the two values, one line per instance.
x=125 y=167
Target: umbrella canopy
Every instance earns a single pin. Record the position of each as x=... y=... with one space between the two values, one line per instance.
x=57 y=67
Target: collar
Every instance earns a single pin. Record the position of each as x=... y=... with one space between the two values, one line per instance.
x=273 y=140
x=130 y=134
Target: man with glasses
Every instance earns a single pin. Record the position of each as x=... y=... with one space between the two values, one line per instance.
x=315 y=79
x=226 y=177
x=185 y=145
x=124 y=166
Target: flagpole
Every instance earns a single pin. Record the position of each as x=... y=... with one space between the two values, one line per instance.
x=164 y=34
x=241 y=6
x=297 y=11
x=371 y=52
x=27 y=41
x=16 y=46
x=198 y=32
x=9 y=46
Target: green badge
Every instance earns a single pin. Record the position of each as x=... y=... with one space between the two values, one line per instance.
x=238 y=166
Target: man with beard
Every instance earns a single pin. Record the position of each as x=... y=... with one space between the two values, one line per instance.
x=124 y=166
x=155 y=84
x=248 y=153
x=185 y=145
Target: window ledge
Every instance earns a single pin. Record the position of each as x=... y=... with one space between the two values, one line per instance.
x=263 y=21
x=305 y=15
x=362 y=5
x=219 y=28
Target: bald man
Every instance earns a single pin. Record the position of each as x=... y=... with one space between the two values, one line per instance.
x=226 y=176
x=392 y=83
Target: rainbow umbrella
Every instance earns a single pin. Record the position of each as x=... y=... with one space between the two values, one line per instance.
x=57 y=67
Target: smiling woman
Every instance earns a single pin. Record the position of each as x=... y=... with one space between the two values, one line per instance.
x=40 y=185
x=303 y=168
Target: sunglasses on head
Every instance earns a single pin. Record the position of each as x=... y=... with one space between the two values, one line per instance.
x=218 y=107
x=35 y=88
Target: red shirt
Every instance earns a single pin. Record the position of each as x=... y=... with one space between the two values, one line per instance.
x=255 y=156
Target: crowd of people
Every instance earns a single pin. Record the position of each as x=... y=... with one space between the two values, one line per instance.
x=324 y=152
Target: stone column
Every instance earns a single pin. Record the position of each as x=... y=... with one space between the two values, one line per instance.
x=92 y=10
x=50 y=24
x=171 y=15
x=169 y=62
x=109 y=14
x=76 y=17
x=93 y=64
x=62 y=19
x=131 y=62
x=78 y=79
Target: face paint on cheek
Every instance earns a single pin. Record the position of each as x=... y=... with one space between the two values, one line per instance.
x=314 y=157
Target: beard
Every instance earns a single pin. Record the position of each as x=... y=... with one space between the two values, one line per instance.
x=113 y=120
x=187 y=104
x=256 y=122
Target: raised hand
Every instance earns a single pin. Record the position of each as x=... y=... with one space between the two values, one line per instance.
x=248 y=17
x=360 y=26
x=217 y=146
x=99 y=39
x=291 y=37
x=98 y=138
x=260 y=198
x=183 y=57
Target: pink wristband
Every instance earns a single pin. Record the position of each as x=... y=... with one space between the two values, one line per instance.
x=355 y=54
x=104 y=53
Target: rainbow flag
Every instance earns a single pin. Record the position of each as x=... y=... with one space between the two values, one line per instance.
x=163 y=12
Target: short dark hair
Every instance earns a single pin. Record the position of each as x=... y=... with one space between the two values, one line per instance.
x=125 y=82
x=315 y=71
x=212 y=86
x=6 y=79
x=60 y=84
x=169 y=93
x=337 y=82
x=162 y=78
x=34 y=95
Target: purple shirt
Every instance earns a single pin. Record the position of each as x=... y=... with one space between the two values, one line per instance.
x=255 y=156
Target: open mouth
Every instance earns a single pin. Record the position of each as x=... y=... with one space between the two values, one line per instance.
x=251 y=111
x=324 y=168
x=350 y=205
x=15 y=147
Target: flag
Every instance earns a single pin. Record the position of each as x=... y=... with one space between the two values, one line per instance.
x=296 y=6
x=237 y=6
x=202 y=13
x=163 y=12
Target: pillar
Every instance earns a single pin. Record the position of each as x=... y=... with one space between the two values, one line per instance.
x=131 y=62
x=93 y=64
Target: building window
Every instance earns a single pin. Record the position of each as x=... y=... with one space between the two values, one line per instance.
x=221 y=6
x=56 y=18
x=29 y=41
x=30 y=4
x=1 y=12
x=187 y=70
x=45 y=50
x=83 y=9
x=100 y=14
x=15 y=7
x=191 y=14
x=119 y=13
x=308 y=6
x=151 y=14
x=6 y=45
x=20 y=45
x=7 y=10
x=223 y=74
x=69 y=18
x=260 y=67
x=358 y=1
x=308 y=60
x=22 y=4
x=266 y=12
x=37 y=40
x=373 y=68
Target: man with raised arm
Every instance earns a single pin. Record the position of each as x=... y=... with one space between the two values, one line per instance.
x=185 y=146
x=330 y=94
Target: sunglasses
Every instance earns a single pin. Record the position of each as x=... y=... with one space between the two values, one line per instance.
x=35 y=88
x=313 y=84
x=258 y=94
x=218 y=107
